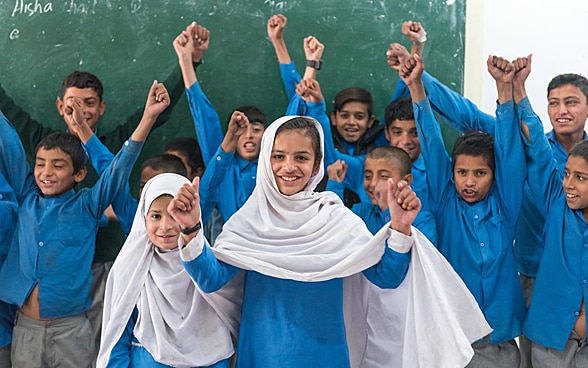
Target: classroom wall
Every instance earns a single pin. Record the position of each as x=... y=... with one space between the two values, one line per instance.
x=553 y=31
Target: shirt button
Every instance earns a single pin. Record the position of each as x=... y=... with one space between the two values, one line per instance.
x=585 y=245
x=41 y=243
x=218 y=158
x=126 y=143
x=584 y=281
x=476 y=217
x=482 y=244
x=577 y=313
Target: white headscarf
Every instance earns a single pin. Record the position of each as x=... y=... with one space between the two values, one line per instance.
x=176 y=324
x=307 y=236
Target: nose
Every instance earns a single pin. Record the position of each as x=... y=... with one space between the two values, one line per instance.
x=562 y=109
x=249 y=131
x=289 y=164
x=167 y=222
x=470 y=180
x=567 y=182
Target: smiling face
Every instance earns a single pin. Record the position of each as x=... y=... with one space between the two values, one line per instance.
x=575 y=184
x=92 y=104
x=54 y=172
x=162 y=229
x=249 y=143
x=403 y=134
x=473 y=177
x=293 y=161
x=567 y=109
x=352 y=121
x=375 y=180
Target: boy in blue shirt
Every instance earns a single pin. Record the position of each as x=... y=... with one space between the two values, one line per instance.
x=48 y=269
x=556 y=321
x=8 y=208
x=475 y=198
x=231 y=162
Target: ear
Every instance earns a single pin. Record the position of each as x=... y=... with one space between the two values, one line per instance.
x=60 y=106
x=408 y=178
x=387 y=134
x=101 y=107
x=333 y=118
x=317 y=165
x=371 y=122
x=81 y=174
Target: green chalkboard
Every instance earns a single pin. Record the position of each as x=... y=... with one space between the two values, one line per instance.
x=128 y=43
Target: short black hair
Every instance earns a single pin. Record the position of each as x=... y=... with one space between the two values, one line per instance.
x=475 y=143
x=353 y=94
x=580 y=149
x=253 y=113
x=399 y=109
x=576 y=80
x=68 y=143
x=82 y=80
x=166 y=163
x=188 y=147
x=396 y=157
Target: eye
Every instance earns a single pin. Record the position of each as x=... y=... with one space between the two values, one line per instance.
x=396 y=132
x=278 y=156
x=414 y=134
x=360 y=116
x=581 y=178
x=344 y=115
x=155 y=216
x=301 y=158
x=566 y=173
x=553 y=103
x=257 y=130
x=367 y=176
x=481 y=173
x=460 y=172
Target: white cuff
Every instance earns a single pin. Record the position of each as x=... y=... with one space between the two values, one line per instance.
x=191 y=251
x=399 y=242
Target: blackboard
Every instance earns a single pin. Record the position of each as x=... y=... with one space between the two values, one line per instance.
x=128 y=43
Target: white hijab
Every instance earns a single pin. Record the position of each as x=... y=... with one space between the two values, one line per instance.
x=176 y=324
x=307 y=236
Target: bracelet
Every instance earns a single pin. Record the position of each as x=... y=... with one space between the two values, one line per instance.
x=316 y=64
x=421 y=39
x=192 y=229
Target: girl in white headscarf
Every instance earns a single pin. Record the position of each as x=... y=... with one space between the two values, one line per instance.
x=154 y=314
x=296 y=246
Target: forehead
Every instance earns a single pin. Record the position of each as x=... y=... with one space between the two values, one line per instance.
x=54 y=154
x=148 y=172
x=565 y=91
x=577 y=163
x=402 y=124
x=381 y=164
x=83 y=93
x=293 y=140
x=471 y=162
x=160 y=203
x=354 y=107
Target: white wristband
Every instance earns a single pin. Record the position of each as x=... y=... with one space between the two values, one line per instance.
x=421 y=39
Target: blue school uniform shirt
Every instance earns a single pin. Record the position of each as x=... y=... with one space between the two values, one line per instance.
x=228 y=180
x=8 y=208
x=562 y=279
x=129 y=353
x=287 y=323
x=477 y=238
x=55 y=235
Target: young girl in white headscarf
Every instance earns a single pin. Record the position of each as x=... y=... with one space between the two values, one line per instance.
x=154 y=314
x=297 y=247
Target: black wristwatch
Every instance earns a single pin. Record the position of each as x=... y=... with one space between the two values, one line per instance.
x=316 y=64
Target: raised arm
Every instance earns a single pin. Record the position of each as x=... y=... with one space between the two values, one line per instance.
x=313 y=50
x=190 y=46
x=416 y=34
x=275 y=31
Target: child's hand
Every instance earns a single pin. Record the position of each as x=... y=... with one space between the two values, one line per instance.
x=200 y=39
x=157 y=100
x=411 y=70
x=337 y=171
x=74 y=118
x=184 y=46
x=185 y=206
x=500 y=69
x=275 y=27
x=237 y=125
x=397 y=55
x=310 y=90
x=522 y=66
x=404 y=205
x=313 y=49
x=413 y=30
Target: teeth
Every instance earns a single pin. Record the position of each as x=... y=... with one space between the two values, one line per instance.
x=249 y=145
x=288 y=178
x=571 y=195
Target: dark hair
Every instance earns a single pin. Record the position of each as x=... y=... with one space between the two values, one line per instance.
x=166 y=163
x=82 y=80
x=399 y=109
x=475 y=143
x=307 y=127
x=580 y=149
x=68 y=143
x=576 y=80
x=353 y=94
x=394 y=156
x=253 y=113
x=188 y=147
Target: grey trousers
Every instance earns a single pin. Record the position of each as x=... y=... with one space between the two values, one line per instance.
x=5 y=357
x=100 y=272
x=527 y=284
x=487 y=355
x=574 y=354
x=63 y=342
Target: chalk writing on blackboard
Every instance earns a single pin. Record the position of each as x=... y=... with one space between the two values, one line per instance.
x=31 y=8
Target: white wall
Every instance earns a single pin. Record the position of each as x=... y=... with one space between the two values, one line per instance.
x=555 y=32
